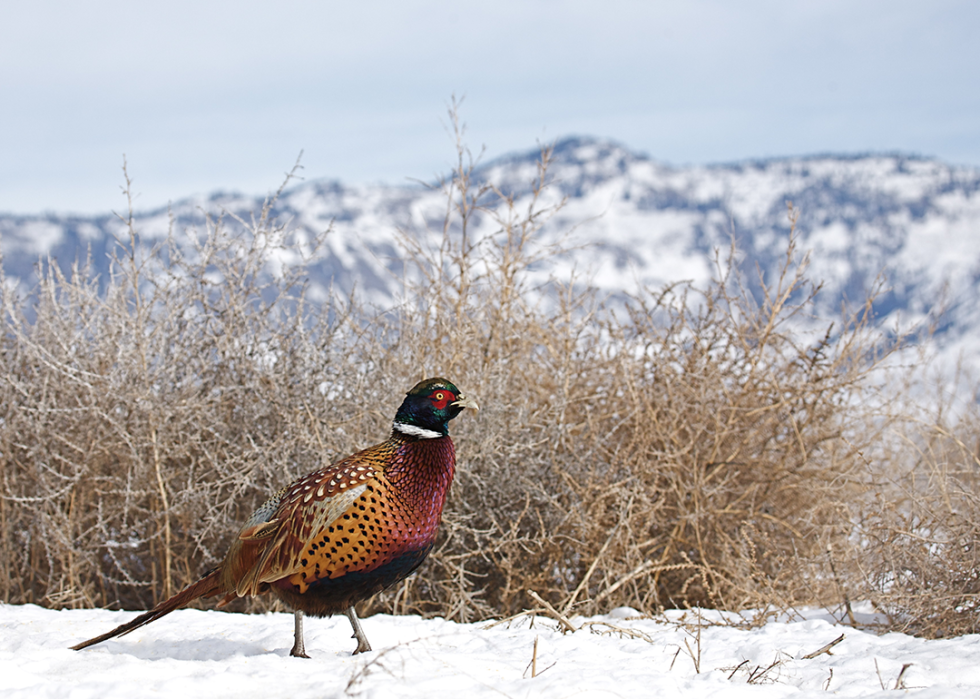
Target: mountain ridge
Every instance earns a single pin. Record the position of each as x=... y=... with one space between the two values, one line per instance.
x=641 y=222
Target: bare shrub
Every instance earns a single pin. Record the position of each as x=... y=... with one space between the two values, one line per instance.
x=700 y=450
x=921 y=532
x=687 y=447
x=141 y=422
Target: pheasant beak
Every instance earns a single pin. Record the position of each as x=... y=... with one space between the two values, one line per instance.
x=464 y=402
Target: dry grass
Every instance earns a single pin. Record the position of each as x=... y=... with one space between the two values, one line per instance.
x=921 y=562
x=694 y=447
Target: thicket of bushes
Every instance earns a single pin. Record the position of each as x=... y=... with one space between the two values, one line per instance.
x=693 y=447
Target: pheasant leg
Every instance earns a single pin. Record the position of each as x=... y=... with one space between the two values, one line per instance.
x=299 y=648
x=362 y=643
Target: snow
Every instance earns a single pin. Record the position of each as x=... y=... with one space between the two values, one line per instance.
x=689 y=654
x=37 y=237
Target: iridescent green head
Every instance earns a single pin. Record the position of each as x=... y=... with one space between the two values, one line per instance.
x=429 y=406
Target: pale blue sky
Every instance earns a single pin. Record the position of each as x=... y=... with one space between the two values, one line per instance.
x=203 y=95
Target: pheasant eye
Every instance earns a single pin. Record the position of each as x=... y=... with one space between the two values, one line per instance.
x=440 y=399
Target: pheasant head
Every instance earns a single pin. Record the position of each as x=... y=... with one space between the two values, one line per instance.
x=428 y=407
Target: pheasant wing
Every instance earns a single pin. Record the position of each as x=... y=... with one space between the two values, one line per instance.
x=272 y=542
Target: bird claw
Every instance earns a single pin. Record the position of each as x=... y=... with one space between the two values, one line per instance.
x=362 y=645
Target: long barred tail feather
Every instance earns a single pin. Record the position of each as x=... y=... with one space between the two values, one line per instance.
x=207 y=586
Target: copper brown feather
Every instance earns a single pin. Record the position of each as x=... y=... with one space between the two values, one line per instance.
x=346 y=531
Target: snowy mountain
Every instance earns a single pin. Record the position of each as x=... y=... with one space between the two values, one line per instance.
x=631 y=220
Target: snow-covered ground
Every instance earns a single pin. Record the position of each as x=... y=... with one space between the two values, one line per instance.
x=215 y=654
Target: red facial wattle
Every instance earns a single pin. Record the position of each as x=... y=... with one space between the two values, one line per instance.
x=440 y=399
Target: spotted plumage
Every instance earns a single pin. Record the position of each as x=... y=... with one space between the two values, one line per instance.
x=346 y=531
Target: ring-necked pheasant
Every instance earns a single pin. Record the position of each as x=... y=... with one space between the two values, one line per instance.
x=346 y=531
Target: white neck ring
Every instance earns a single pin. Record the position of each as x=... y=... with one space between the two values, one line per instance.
x=414 y=431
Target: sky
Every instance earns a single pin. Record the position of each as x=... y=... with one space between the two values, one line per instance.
x=206 y=95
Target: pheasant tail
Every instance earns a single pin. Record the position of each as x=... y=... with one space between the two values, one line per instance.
x=207 y=586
